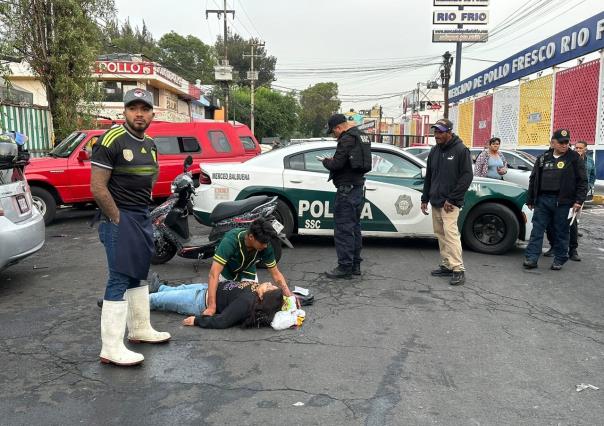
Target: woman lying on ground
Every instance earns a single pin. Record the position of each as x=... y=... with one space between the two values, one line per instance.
x=248 y=303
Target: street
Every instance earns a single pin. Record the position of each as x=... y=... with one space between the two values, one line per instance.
x=394 y=347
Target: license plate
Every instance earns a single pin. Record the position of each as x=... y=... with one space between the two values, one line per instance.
x=277 y=226
x=22 y=203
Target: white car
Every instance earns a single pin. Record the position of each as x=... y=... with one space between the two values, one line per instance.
x=493 y=218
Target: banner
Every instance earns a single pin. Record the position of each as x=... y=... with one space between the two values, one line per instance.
x=578 y=40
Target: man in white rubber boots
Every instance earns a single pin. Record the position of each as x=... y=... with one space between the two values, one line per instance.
x=124 y=169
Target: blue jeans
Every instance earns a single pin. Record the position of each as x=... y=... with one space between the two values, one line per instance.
x=347 y=221
x=549 y=213
x=118 y=283
x=186 y=299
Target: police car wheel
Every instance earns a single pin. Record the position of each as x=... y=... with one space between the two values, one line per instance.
x=491 y=228
x=284 y=215
x=277 y=249
x=164 y=251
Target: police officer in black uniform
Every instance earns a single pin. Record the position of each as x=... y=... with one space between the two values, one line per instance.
x=558 y=183
x=349 y=198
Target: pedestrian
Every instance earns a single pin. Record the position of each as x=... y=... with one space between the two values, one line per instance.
x=557 y=189
x=448 y=177
x=347 y=169
x=124 y=169
x=590 y=167
x=236 y=257
x=237 y=302
x=491 y=162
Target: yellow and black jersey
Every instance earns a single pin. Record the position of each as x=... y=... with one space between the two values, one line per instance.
x=133 y=165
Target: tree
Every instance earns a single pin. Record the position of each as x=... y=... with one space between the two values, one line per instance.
x=188 y=56
x=59 y=39
x=276 y=114
x=237 y=46
x=125 y=39
x=318 y=103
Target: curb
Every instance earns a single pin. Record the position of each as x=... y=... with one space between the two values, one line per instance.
x=598 y=199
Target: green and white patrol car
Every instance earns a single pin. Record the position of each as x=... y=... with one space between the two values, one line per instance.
x=493 y=218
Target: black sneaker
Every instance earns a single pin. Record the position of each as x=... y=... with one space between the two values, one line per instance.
x=154 y=283
x=549 y=253
x=573 y=255
x=99 y=302
x=529 y=264
x=339 y=272
x=458 y=278
x=441 y=272
x=356 y=269
x=556 y=266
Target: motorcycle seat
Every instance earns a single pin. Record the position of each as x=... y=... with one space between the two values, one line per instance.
x=233 y=208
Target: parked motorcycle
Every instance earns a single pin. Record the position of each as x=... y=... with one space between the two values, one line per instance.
x=171 y=222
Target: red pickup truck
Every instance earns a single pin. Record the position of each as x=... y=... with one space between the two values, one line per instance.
x=63 y=176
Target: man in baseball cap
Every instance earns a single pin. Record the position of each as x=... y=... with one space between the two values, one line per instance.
x=443 y=125
x=334 y=121
x=138 y=95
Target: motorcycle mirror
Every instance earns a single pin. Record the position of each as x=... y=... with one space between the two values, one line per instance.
x=188 y=162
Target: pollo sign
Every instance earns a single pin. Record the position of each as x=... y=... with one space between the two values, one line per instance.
x=124 y=67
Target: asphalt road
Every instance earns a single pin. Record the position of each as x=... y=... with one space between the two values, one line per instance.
x=395 y=347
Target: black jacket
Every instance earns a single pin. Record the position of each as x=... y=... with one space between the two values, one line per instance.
x=449 y=174
x=573 y=184
x=339 y=165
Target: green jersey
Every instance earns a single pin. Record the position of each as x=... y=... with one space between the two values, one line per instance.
x=240 y=262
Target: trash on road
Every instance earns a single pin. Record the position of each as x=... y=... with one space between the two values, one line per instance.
x=298 y=404
x=584 y=386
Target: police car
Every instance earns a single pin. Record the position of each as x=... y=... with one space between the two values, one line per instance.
x=493 y=218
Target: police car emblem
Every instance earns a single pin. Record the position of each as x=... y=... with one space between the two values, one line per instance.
x=128 y=154
x=403 y=205
x=560 y=164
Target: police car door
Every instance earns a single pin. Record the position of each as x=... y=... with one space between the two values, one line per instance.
x=394 y=186
x=305 y=184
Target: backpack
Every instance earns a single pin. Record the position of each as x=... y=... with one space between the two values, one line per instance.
x=360 y=154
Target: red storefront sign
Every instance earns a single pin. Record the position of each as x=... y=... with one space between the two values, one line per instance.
x=121 y=67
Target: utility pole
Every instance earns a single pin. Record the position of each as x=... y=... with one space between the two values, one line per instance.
x=252 y=75
x=445 y=76
x=225 y=63
x=458 y=54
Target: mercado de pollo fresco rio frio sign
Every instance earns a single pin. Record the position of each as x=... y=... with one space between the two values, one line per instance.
x=578 y=40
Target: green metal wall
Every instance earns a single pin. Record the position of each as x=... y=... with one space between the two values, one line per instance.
x=34 y=122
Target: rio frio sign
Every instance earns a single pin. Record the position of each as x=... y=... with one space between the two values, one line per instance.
x=578 y=40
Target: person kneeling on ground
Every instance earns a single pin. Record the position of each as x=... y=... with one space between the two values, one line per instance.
x=248 y=303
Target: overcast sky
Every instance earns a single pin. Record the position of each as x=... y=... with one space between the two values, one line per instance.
x=311 y=35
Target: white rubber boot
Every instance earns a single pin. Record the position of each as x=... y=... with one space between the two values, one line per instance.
x=113 y=327
x=139 y=323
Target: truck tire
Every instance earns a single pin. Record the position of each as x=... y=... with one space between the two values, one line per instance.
x=45 y=203
x=490 y=228
x=284 y=215
x=277 y=250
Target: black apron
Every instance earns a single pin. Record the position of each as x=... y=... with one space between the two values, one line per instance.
x=134 y=243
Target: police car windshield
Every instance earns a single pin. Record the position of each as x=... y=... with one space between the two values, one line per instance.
x=67 y=145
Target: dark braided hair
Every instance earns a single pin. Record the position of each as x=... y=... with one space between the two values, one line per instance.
x=263 y=311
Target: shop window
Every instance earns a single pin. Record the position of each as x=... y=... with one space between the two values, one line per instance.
x=155 y=92
x=219 y=141
x=113 y=91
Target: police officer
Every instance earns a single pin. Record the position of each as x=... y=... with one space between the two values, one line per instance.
x=557 y=184
x=124 y=169
x=349 y=198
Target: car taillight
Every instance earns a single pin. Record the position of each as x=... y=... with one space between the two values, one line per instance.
x=204 y=179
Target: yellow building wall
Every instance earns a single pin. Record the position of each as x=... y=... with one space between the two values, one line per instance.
x=465 y=118
x=534 y=119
